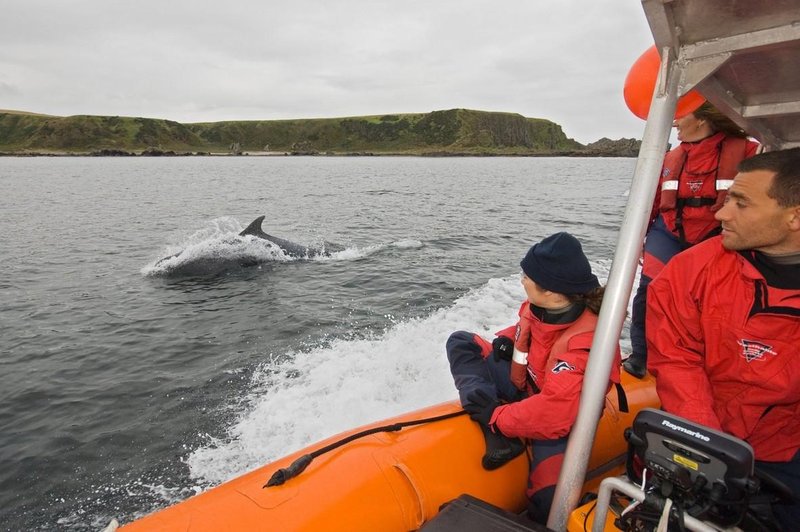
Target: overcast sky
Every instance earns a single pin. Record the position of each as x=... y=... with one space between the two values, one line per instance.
x=196 y=61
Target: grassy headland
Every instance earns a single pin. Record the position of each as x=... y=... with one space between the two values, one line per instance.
x=451 y=132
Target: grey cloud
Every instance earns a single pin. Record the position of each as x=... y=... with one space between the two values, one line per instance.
x=191 y=61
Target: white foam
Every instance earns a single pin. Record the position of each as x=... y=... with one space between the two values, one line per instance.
x=407 y=244
x=356 y=253
x=352 y=253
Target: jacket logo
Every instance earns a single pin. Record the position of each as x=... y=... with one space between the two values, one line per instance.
x=752 y=350
x=562 y=366
x=666 y=172
x=695 y=186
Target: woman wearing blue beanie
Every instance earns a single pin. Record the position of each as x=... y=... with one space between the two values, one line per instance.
x=527 y=382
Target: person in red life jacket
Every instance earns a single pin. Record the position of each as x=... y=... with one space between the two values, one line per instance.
x=723 y=322
x=694 y=180
x=550 y=343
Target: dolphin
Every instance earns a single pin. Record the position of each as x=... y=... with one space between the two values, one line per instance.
x=204 y=266
x=215 y=264
x=290 y=248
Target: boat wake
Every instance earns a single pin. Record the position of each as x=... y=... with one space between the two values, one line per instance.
x=303 y=396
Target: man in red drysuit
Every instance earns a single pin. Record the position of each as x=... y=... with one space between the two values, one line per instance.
x=723 y=321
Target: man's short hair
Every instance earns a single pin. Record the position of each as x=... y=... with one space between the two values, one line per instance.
x=785 y=164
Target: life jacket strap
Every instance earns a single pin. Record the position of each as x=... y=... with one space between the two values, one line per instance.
x=622 y=399
x=695 y=202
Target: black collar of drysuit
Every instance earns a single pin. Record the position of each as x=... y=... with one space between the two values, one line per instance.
x=777 y=275
x=559 y=317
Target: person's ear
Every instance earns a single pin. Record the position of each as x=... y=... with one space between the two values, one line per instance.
x=794 y=219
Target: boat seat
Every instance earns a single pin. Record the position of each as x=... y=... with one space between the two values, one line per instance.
x=468 y=514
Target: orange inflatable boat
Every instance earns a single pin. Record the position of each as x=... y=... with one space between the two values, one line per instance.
x=389 y=479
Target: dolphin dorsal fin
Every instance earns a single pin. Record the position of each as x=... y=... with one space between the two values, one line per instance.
x=254 y=228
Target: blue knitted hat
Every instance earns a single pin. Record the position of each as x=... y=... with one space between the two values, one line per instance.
x=558 y=264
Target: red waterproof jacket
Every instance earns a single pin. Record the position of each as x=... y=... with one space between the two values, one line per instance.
x=694 y=180
x=725 y=348
x=556 y=363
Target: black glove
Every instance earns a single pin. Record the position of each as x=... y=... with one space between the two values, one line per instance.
x=502 y=348
x=480 y=406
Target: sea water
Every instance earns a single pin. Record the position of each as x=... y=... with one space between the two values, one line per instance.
x=124 y=389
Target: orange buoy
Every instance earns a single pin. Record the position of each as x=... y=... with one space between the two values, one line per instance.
x=641 y=81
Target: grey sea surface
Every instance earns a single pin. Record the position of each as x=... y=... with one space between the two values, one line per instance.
x=124 y=389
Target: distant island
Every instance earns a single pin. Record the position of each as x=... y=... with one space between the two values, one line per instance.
x=454 y=132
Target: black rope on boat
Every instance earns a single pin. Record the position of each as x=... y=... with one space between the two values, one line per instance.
x=298 y=466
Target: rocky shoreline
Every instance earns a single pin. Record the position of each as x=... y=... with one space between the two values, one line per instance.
x=629 y=151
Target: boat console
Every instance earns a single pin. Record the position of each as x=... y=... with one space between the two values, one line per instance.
x=685 y=476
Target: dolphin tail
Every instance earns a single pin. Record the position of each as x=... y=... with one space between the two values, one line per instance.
x=255 y=229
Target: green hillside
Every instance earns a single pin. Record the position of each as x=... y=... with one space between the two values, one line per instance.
x=41 y=133
x=451 y=132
